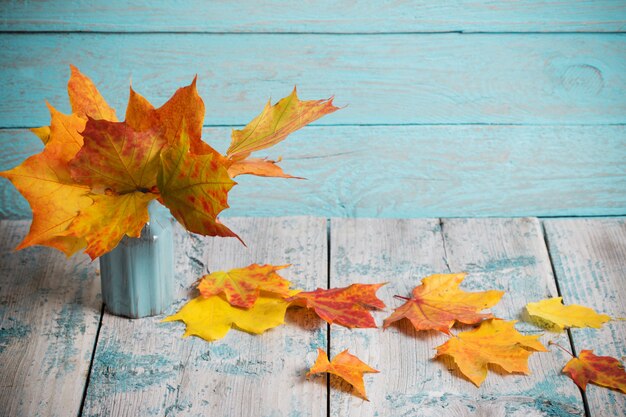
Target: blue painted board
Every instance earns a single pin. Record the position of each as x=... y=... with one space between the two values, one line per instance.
x=385 y=79
x=415 y=171
x=362 y=16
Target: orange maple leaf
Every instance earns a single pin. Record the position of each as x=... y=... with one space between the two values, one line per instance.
x=495 y=342
x=85 y=99
x=345 y=306
x=600 y=370
x=270 y=127
x=261 y=167
x=242 y=286
x=438 y=303
x=346 y=366
x=194 y=188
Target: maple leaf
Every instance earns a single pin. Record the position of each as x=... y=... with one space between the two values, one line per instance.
x=242 y=286
x=495 y=342
x=183 y=111
x=345 y=306
x=270 y=127
x=85 y=98
x=211 y=318
x=553 y=314
x=104 y=223
x=194 y=188
x=438 y=303
x=261 y=167
x=115 y=156
x=346 y=366
x=43 y=133
x=600 y=370
x=44 y=180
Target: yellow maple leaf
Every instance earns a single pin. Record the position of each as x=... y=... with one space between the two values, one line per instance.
x=553 y=314
x=211 y=318
x=270 y=127
x=85 y=99
x=495 y=342
x=346 y=366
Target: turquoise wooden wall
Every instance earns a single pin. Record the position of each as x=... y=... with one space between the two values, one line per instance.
x=455 y=108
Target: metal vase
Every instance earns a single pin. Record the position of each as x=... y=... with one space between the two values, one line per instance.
x=137 y=277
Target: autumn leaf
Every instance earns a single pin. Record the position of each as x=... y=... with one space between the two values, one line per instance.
x=116 y=157
x=85 y=99
x=600 y=370
x=438 y=303
x=242 y=286
x=44 y=180
x=553 y=314
x=494 y=342
x=43 y=133
x=109 y=219
x=183 y=111
x=211 y=318
x=346 y=366
x=270 y=127
x=345 y=306
x=194 y=188
x=258 y=166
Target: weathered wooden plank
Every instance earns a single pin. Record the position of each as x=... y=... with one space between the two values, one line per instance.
x=388 y=79
x=314 y=16
x=143 y=367
x=505 y=254
x=589 y=259
x=49 y=316
x=415 y=171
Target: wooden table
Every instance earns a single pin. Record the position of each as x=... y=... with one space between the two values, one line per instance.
x=63 y=355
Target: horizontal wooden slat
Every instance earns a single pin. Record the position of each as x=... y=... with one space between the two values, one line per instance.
x=588 y=258
x=416 y=171
x=314 y=16
x=385 y=79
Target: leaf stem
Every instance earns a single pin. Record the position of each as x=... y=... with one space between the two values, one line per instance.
x=402 y=298
x=561 y=347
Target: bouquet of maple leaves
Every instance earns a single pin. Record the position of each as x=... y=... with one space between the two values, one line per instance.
x=92 y=183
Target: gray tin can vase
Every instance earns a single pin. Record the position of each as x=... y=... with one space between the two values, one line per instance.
x=137 y=277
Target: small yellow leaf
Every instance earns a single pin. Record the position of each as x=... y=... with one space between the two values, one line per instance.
x=43 y=133
x=560 y=316
x=211 y=318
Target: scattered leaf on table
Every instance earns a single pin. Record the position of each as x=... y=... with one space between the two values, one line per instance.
x=345 y=306
x=493 y=342
x=600 y=370
x=211 y=318
x=346 y=366
x=194 y=188
x=559 y=316
x=242 y=286
x=438 y=303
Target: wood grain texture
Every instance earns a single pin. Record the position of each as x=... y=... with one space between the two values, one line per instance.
x=589 y=258
x=504 y=254
x=385 y=79
x=313 y=16
x=414 y=171
x=144 y=367
x=49 y=316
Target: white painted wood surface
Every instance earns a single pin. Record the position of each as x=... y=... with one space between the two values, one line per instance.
x=589 y=259
x=49 y=315
x=144 y=367
x=505 y=254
